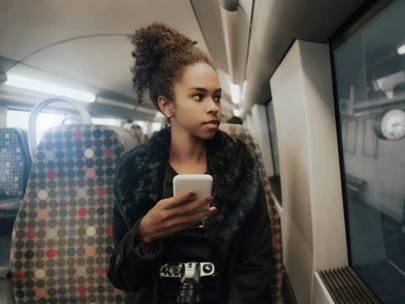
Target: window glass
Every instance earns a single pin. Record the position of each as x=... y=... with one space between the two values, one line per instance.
x=271 y=124
x=370 y=82
x=105 y=121
x=20 y=119
x=156 y=126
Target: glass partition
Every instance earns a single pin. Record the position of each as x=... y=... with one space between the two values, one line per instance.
x=369 y=65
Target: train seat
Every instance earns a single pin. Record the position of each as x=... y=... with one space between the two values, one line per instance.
x=277 y=255
x=62 y=236
x=15 y=166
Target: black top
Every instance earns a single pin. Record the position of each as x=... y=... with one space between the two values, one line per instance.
x=190 y=245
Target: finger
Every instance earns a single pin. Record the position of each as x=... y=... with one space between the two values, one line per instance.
x=198 y=203
x=179 y=200
x=182 y=223
x=187 y=220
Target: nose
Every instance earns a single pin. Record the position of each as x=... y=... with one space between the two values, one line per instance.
x=213 y=106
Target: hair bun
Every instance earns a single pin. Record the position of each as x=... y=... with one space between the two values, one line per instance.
x=161 y=52
x=154 y=41
x=151 y=44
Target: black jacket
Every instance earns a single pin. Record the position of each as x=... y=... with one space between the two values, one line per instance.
x=240 y=229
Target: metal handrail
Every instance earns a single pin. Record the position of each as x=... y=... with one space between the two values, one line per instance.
x=32 y=126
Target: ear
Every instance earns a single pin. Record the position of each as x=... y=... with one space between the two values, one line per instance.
x=166 y=106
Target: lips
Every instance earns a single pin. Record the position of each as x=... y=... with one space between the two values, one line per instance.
x=212 y=122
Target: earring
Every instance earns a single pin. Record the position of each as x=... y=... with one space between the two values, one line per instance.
x=169 y=116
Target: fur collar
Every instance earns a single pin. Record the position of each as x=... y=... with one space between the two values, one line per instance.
x=140 y=177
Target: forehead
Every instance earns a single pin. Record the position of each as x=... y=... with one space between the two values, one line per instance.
x=200 y=75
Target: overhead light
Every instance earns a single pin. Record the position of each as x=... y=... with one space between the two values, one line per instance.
x=48 y=88
x=236 y=112
x=235 y=92
x=401 y=50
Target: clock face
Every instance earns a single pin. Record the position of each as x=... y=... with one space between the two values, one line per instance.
x=393 y=124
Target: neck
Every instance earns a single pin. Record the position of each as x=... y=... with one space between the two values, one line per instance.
x=187 y=153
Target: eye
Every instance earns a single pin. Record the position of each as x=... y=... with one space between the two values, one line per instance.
x=198 y=97
x=217 y=98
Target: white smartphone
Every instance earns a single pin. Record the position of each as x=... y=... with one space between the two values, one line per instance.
x=200 y=183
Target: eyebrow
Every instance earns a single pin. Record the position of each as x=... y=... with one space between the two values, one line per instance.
x=205 y=90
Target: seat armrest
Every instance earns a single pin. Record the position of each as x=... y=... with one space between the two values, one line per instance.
x=4 y=272
x=6 y=287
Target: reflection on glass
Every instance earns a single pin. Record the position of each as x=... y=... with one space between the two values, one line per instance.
x=370 y=76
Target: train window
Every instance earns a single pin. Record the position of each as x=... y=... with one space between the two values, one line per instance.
x=271 y=124
x=105 y=121
x=369 y=74
x=156 y=126
x=19 y=119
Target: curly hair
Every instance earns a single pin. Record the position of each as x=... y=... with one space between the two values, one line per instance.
x=161 y=55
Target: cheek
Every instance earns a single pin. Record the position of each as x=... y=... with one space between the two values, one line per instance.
x=189 y=107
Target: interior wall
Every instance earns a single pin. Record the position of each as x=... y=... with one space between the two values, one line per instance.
x=313 y=221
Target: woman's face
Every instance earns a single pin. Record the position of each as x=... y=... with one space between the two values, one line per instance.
x=197 y=106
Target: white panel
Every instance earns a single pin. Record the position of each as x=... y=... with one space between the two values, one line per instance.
x=247 y=6
x=3 y=117
x=242 y=40
x=321 y=294
x=277 y=23
x=249 y=125
x=29 y=26
x=313 y=221
x=260 y=125
x=229 y=25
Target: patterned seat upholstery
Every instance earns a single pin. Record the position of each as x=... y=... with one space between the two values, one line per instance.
x=277 y=256
x=15 y=166
x=62 y=237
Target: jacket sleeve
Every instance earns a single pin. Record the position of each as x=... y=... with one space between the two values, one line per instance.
x=129 y=269
x=251 y=278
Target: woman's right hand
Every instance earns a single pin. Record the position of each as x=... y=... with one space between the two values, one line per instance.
x=172 y=215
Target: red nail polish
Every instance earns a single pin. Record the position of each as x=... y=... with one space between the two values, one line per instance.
x=213 y=210
x=209 y=199
x=191 y=194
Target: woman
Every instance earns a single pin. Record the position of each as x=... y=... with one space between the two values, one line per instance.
x=137 y=134
x=151 y=226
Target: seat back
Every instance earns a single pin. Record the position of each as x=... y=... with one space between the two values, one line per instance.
x=15 y=163
x=62 y=237
x=15 y=166
x=277 y=271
